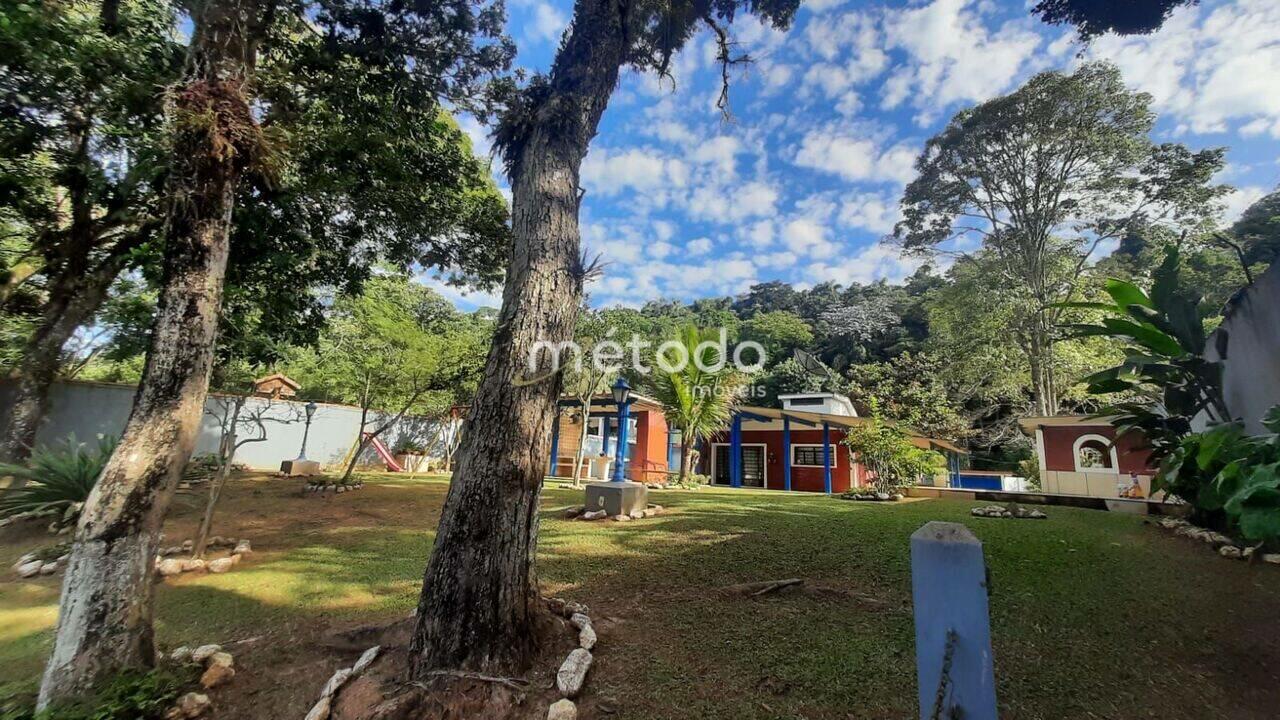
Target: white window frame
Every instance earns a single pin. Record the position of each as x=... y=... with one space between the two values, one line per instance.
x=1106 y=442
x=795 y=464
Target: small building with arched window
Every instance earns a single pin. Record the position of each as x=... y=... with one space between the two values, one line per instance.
x=1081 y=455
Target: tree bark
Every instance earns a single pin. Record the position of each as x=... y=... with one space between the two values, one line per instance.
x=479 y=593
x=73 y=299
x=686 y=456
x=105 y=610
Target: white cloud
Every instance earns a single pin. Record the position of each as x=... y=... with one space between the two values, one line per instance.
x=609 y=172
x=699 y=246
x=952 y=56
x=1209 y=69
x=875 y=213
x=871 y=263
x=855 y=158
x=732 y=203
x=1239 y=201
x=760 y=234
x=548 y=22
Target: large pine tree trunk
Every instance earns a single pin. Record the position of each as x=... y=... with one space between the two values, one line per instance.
x=479 y=594
x=104 y=622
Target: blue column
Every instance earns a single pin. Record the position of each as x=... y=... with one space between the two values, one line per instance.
x=826 y=457
x=953 y=623
x=620 y=457
x=555 y=440
x=786 y=451
x=735 y=452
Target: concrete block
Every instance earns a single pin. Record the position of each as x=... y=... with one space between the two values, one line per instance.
x=617 y=498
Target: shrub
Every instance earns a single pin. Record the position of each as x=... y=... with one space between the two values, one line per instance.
x=1230 y=478
x=130 y=696
x=889 y=453
x=57 y=477
x=409 y=446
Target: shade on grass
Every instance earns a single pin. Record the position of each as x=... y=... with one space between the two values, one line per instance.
x=1094 y=614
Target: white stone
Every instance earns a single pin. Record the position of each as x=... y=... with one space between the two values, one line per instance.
x=572 y=608
x=181 y=655
x=622 y=518
x=49 y=568
x=220 y=658
x=339 y=679
x=562 y=709
x=594 y=515
x=637 y=514
x=221 y=565
x=202 y=654
x=586 y=637
x=191 y=705
x=1229 y=551
x=193 y=565
x=30 y=569
x=1273 y=558
x=24 y=560
x=572 y=674
x=170 y=567
x=366 y=660
x=319 y=711
x=243 y=548
x=579 y=620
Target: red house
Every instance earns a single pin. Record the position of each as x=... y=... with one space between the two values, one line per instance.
x=1082 y=456
x=795 y=448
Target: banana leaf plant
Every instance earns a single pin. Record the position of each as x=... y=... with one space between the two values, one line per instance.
x=1166 y=377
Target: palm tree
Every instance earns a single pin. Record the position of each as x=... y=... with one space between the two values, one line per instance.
x=697 y=396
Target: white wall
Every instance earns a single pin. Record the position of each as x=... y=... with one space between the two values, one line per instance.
x=88 y=410
x=1251 y=368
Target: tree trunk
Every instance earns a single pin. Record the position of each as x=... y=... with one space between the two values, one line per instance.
x=104 y=622
x=226 y=455
x=73 y=299
x=686 y=456
x=479 y=594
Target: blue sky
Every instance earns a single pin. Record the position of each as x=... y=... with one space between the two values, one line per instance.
x=803 y=181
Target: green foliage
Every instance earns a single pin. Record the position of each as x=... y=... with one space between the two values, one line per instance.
x=395 y=345
x=129 y=696
x=58 y=476
x=778 y=331
x=889 y=453
x=1225 y=473
x=1097 y=17
x=1165 y=362
x=909 y=390
x=695 y=401
x=1258 y=230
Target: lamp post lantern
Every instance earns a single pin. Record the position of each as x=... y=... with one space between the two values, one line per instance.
x=622 y=398
x=310 y=409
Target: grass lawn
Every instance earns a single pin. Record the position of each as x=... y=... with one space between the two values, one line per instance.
x=1094 y=615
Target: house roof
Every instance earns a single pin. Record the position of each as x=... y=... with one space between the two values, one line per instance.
x=277 y=376
x=1030 y=424
x=844 y=421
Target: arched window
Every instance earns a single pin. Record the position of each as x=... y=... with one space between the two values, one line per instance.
x=1094 y=453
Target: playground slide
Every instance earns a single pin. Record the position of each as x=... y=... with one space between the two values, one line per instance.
x=392 y=465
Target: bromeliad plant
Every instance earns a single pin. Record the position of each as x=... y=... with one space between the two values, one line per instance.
x=1166 y=378
x=57 y=476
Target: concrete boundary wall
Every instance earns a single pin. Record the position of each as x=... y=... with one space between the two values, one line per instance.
x=88 y=410
x=1251 y=368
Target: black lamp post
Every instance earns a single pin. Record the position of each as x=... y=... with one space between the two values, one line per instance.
x=310 y=408
x=621 y=398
